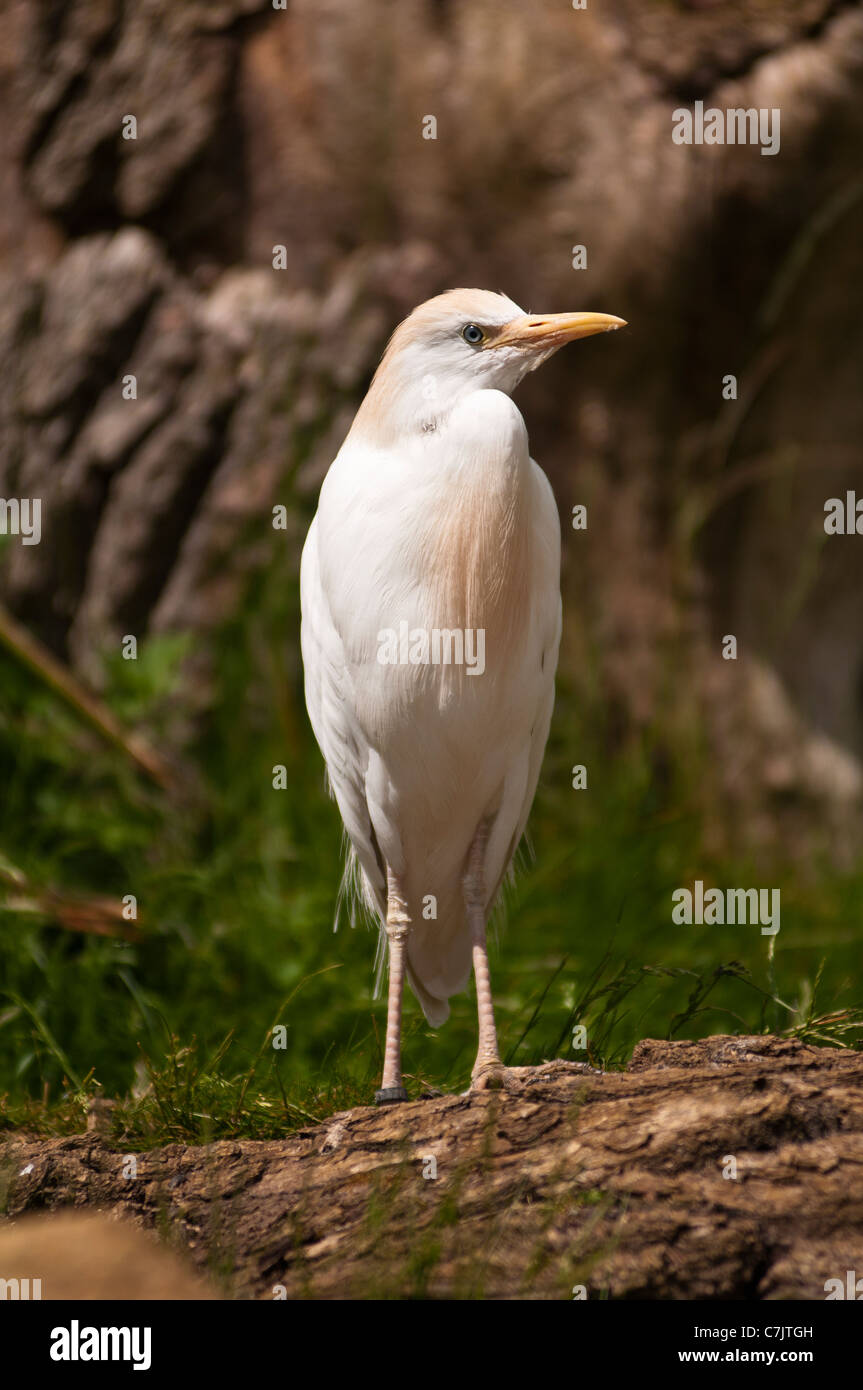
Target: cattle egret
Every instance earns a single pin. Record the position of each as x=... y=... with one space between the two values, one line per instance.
x=431 y=617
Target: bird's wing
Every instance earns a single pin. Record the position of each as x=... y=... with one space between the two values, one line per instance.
x=550 y=623
x=547 y=621
x=339 y=736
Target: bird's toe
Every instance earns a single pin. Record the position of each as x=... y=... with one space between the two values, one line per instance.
x=493 y=1077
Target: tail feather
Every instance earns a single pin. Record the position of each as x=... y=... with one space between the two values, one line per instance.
x=436 y=1010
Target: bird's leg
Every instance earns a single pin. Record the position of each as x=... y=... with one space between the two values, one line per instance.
x=398 y=927
x=488 y=1068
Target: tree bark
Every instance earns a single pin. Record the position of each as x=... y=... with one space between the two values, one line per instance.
x=726 y=1168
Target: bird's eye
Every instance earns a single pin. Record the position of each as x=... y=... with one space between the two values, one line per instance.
x=472 y=334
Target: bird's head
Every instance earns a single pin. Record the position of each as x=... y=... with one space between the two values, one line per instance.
x=458 y=342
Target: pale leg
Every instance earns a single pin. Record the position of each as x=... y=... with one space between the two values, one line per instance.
x=398 y=927
x=488 y=1066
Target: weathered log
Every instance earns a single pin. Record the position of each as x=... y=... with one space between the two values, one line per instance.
x=726 y=1168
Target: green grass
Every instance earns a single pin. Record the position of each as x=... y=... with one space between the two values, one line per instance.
x=236 y=886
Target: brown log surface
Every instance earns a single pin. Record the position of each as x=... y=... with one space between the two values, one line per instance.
x=572 y=1177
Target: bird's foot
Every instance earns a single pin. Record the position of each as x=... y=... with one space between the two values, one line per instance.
x=491 y=1076
x=390 y=1095
x=495 y=1076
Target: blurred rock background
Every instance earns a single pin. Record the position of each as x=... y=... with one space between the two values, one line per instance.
x=303 y=127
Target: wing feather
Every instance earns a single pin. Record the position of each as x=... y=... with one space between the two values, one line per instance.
x=330 y=706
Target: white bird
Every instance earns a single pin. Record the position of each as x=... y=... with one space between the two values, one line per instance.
x=431 y=619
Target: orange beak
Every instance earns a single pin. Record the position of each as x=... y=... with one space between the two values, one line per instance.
x=553 y=330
